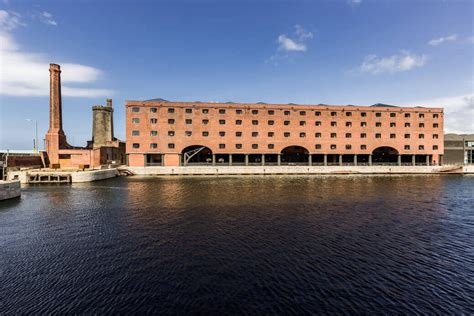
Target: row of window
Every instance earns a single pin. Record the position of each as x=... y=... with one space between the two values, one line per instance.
x=285 y=134
x=136 y=120
x=272 y=112
x=272 y=146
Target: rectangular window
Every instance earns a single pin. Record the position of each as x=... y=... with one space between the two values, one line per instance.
x=205 y=122
x=153 y=110
x=238 y=134
x=271 y=112
x=435 y=115
x=302 y=134
x=154 y=121
x=286 y=113
x=170 y=110
x=421 y=147
x=189 y=121
x=153 y=133
x=254 y=112
x=135 y=120
x=221 y=134
x=135 y=109
x=393 y=136
x=170 y=121
x=286 y=122
x=238 y=111
x=189 y=111
x=254 y=122
x=435 y=136
x=421 y=115
x=393 y=124
x=221 y=146
x=302 y=112
x=348 y=146
x=271 y=134
x=378 y=124
x=317 y=123
x=221 y=111
x=318 y=146
x=170 y=133
x=205 y=111
x=407 y=115
x=238 y=146
x=333 y=146
x=348 y=135
x=363 y=147
x=302 y=123
x=421 y=136
x=286 y=134
x=348 y=113
x=421 y=125
x=271 y=122
x=435 y=125
x=393 y=114
x=317 y=113
x=317 y=135
x=333 y=123
x=135 y=133
x=378 y=114
x=333 y=135
x=188 y=133
x=348 y=124
x=271 y=146
x=238 y=122
x=407 y=124
x=378 y=135
x=407 y=147
x=363 y=114
x=254 y=146
x=153 y=146
x=333 y=113
x=407 y=135
x=363 y=135
x=363 y=124
x=435 y=147
x=171 y=145
x=136 y=145
x=254 y=134
x=205 y=134
x=222 y=122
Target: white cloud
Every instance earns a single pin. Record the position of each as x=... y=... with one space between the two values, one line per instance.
x=354 y=2
x=396 y=63
x=290 y=44
x=9 y=20
x=458 y=112
x=287 y=44
x=471 y=39
x=441 y=40
x=26 y=74
x=47 y=18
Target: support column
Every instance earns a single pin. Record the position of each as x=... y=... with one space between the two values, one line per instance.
x=279 y=159
x=441 y=160
x=144 y=160
x=230 y=159
x=310 y=160
x=399 y=161
x=246 y=159
x=355 y=160
x=427 y=160
x=213 y=159
x=340 y=160
x=263 y=159
x=370 y=160
x=413 y=160
x=325 y=159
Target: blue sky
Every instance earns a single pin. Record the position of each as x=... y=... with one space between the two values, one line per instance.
x=335 y=52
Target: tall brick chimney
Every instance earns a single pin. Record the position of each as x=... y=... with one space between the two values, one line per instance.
x=55 y=138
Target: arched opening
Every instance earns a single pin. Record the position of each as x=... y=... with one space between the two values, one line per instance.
x=294 y=155
x=196 y=154
x=384 y=155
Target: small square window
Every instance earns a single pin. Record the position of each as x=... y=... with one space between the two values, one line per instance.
x=363 y=147
x=318 y=146
x=238 y=111
x=254 y=134
x=271 y=134
x=153 y=146
x=221 y=134
x=238 y=122
x=363 y=114
x=421 y=147
x=221 y=146
x=348 y=124
x=286 y=123
x=393 y=136
x=205 y=122
x=378 y=114
x=171 y=145
x=421 y=136
x=348 y=146
x=286 y=113
x=392 y=124
x=221 y=111
x=136 y=145
x=302 y=123
x=254 y=112
x=222 y=122
x=188 y=111
x=363 y=124
x=254 y=146
x=153 y=121
x=153 y=133
x=135 y=109
x=271 y=146
x=378 y=124
x=170 y=121
x=333 y=146
x=286 y=134
x=271 y=122
x=421 y=115
x=407 y=147
x=188 y=133
x=188 y=121
x=363 y=135
x=333 y=113
x=302 y=112
x=135 y=133
x=238 y=134
x=135 y=120
x=435 y=115
x=317 y=123
x=302 y=134
x=271 y=112
x=435 y=125
x=435 y=147
x=170 y=133
x=348 y=113
x=170 y=110
x=393 y=114
x=205 y=134
x=348 y=135
x=407 y=124
x=205 y=111
x=153 y=110
x=317 y=113
x=317 y=135
x=407 y=135
x=254 y=122
x=333 y=123
x=435 y=136
x=421 y=125
x=238 y=146
x=333 y=135
x=407 y=115
x=378 y=135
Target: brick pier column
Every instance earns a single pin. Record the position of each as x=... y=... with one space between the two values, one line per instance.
x=399 y=160
x=279 y=159
x=325 y=159
x=310 y=160
x=355 y=160
x=213 y=159
x=340 y=160
x=246 y=159
x=370 y=160
x=230 y=159
x=263 y=159
x=413 y=160
x=427 y=160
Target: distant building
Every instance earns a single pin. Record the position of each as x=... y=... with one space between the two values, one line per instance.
x=102 y=149
x=459 y=149
x=166 y=133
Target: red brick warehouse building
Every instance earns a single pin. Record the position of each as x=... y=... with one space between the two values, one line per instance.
x=184 y=133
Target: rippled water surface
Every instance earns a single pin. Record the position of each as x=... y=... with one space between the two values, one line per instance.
x=254 y=245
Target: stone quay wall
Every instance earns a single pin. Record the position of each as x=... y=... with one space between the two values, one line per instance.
x=9 y=190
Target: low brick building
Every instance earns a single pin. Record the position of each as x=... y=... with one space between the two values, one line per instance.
x=459 y=149
x=180 y=133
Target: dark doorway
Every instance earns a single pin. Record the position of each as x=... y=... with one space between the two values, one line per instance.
x=196 y=154
x=294 y=155
x=385 y=155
